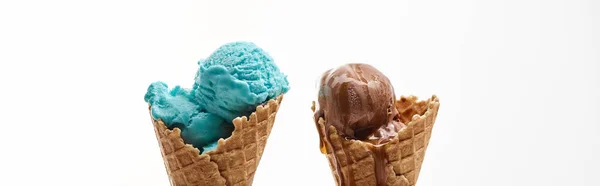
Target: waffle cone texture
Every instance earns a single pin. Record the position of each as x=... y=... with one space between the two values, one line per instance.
x=352 y=162
x=233 y=162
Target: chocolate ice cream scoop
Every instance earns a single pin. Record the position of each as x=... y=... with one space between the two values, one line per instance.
x=358 y=100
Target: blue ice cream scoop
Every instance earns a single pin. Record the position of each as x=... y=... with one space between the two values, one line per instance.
x=174 y=107
x=235 y=79
x=177 y=109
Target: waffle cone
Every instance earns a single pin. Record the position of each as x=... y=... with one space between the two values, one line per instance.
x=353 y=162
x=233 y=162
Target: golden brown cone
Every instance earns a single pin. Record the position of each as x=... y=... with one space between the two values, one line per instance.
x=235 y=160
x=404 y=153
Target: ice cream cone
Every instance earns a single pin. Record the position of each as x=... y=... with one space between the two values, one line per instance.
x=397 y=162
x=233 y=162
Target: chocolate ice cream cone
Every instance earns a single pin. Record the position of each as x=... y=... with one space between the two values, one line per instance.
x=397 y=162
x=233 y=162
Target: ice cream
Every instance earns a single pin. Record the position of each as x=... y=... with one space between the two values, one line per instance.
x=358 y=100
x=368 y=136
x=236 y=78
x=230 y=83
x=177 y=108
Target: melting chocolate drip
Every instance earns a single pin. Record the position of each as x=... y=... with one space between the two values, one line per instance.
x=380 y=162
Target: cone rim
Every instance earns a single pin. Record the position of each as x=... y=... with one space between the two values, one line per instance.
x=432 y=102
x=237 y=122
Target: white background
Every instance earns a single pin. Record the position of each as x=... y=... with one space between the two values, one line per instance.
x=517 y=80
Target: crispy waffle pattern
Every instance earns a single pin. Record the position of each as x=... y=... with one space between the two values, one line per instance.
x=404 y=153
x=235 y=160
